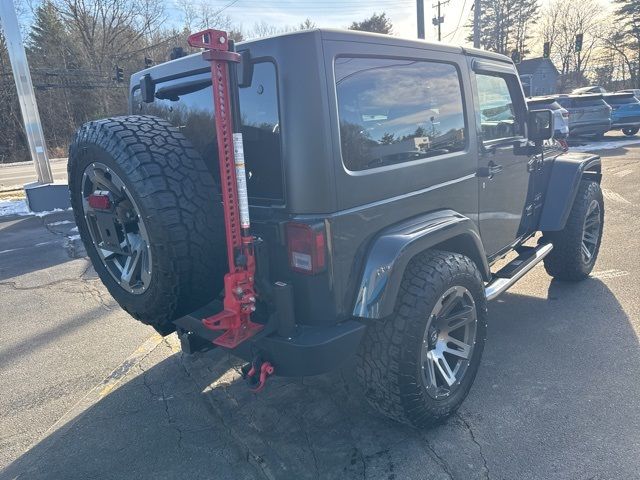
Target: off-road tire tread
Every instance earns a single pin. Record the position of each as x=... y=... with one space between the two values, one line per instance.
x=387 y=360
x=564 y=262
x=184 y=219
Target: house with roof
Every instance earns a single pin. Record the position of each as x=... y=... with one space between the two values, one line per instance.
x=539 y=76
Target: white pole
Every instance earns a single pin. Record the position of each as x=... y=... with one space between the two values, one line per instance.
x=26 y=95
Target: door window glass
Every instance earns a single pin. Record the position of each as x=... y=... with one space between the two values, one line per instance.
x=498 y=116
x=393 y=111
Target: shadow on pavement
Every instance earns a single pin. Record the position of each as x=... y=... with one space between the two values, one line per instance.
x=27 y=245
x=555 y=396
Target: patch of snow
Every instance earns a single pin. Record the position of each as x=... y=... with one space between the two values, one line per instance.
x=74 y=237
x=19 y=207
x=14 y=207
x=9 y=250
x=49 y=212
x=61 y=222
x=604 y=145
x=74 y=230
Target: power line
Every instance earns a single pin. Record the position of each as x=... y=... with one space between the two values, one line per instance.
x=453 y=33
x=226 y=6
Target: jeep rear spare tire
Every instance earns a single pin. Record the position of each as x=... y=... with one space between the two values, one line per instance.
x=418 y=365
x=146 y=209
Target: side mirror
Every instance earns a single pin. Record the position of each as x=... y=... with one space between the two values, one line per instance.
x=147 y=89
x=540 y=125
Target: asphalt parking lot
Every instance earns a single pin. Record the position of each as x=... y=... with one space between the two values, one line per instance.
x=89 y=393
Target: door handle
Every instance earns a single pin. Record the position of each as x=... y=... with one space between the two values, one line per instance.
x=490 y=170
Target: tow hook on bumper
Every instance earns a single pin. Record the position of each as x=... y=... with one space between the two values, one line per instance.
x=256 y=374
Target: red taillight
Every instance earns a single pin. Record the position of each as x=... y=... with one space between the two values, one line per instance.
x=306 y=247
x=99 y=201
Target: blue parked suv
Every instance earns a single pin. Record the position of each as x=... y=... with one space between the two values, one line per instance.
x=625 y=112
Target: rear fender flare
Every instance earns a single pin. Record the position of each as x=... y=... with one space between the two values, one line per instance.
x=567 y=171
x=393 y=249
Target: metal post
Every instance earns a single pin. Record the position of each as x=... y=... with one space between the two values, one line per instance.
x=439 y=23
x=24 y=87
x=476 y=24
x=420 y=13
x=439 y=19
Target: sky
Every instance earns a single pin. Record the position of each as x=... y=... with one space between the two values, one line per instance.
x=340 y=14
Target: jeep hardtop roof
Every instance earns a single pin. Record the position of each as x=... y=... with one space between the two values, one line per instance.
x=195 y=63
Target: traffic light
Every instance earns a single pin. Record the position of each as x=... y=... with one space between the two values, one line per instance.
x=119 y=74
x=579 y=42
x=177 y=52
x=515 y=56
x=546 y=50
x=148 y=62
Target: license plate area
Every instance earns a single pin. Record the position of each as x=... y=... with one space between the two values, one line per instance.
x=109 y=232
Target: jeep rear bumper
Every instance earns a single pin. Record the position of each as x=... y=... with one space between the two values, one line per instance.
x=309 y=350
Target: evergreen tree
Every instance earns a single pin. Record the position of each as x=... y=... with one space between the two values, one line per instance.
x=505 y=25
x=49 y=43
x=628 y=15
x=376 y=23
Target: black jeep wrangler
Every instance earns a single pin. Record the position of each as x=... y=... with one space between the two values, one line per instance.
x=386 y=178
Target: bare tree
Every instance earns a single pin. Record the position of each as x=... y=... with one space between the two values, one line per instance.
x=562 y=20
x=620 y=54
x=308 y=24
x=110 y=28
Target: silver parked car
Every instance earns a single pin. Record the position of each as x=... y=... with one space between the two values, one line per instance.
x=587 y=90
x=560 y=114
x=589 y=114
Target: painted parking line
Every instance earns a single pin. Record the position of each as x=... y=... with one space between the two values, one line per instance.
x=113 y=379
x=623 y=173
x=612 y=273
x=615 y=197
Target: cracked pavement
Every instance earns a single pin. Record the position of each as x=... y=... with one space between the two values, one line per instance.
x=556 y=397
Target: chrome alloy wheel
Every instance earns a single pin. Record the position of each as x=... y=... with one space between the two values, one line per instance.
x=117 y=230
x=591 y=231
x=448 y=342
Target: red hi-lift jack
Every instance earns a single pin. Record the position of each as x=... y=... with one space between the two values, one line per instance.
x=239 y=293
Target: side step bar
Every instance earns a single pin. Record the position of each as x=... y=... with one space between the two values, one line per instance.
x=515 y=270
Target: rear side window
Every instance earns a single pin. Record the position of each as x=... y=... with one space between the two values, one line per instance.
x=588 y=102
x=393 y=111
x=621 y=100
x=565 y=102
x=188 y=104
x=543 y=105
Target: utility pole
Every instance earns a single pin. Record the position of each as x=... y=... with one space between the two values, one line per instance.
x=420 y=13
x=476 y=24
x=439 y=19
